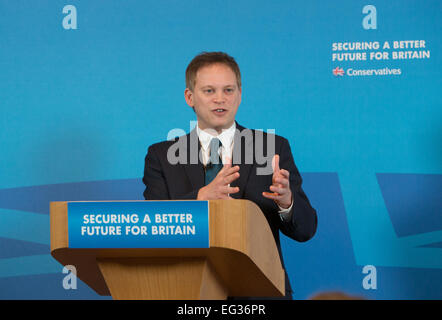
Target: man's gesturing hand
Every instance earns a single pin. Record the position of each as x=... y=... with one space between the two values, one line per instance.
x=282 y=194
x=219 y=188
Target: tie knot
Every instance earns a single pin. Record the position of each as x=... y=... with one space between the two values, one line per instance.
x=215 y=144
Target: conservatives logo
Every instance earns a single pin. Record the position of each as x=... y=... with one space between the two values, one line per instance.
x=338 y=71
x=366 y=72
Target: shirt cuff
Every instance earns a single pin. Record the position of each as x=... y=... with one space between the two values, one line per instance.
x=285 y=214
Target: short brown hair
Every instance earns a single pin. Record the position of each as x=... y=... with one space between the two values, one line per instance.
x=209 y=58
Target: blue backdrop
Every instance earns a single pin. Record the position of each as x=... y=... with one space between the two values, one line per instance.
x=87 y=86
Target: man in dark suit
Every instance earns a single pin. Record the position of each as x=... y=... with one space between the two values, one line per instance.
x=220 y=159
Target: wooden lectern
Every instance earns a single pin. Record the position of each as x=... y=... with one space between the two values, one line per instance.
x=242 y=260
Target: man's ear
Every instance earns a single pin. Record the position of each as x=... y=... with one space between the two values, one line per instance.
x=188 y=95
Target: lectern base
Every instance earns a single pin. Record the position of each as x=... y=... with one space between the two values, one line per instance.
x=162 y=279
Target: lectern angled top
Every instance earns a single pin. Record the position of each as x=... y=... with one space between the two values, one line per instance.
x=181 y=249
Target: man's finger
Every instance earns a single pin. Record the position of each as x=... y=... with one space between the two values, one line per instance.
x=226 y=166
x=227 y=163
x=275 y=163
x=229 y=171
x=230 y=190
x=230 y=178
x=278 y=190
x=273 y=196
x=282 y=181
x=285 y=173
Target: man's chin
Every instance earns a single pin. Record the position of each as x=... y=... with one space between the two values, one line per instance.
x=222 y=126
x=216 y=124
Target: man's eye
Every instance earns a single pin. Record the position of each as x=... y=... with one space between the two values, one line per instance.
x=229 y=90
x=208 y=91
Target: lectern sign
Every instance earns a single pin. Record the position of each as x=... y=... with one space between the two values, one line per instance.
x=139 y=224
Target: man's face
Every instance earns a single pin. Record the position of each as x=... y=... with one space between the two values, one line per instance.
x=215 y=97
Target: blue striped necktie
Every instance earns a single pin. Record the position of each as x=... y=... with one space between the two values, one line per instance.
x=214 y=165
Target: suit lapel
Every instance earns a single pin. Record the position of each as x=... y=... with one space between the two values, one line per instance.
x=242 y=156
x=194 y=168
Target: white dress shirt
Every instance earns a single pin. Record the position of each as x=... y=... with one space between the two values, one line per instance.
x=225 y=152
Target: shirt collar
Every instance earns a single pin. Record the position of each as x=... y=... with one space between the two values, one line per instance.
x=226 y=136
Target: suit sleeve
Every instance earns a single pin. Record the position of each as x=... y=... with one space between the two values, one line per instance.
x=156 y=187
x=156 y=182
x=303 y=223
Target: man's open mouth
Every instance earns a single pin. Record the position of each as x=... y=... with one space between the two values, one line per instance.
x=219 y=111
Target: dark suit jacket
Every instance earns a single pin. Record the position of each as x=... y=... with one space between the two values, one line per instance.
x=166 y=181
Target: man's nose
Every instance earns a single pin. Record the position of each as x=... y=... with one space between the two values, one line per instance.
x=219 y=98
